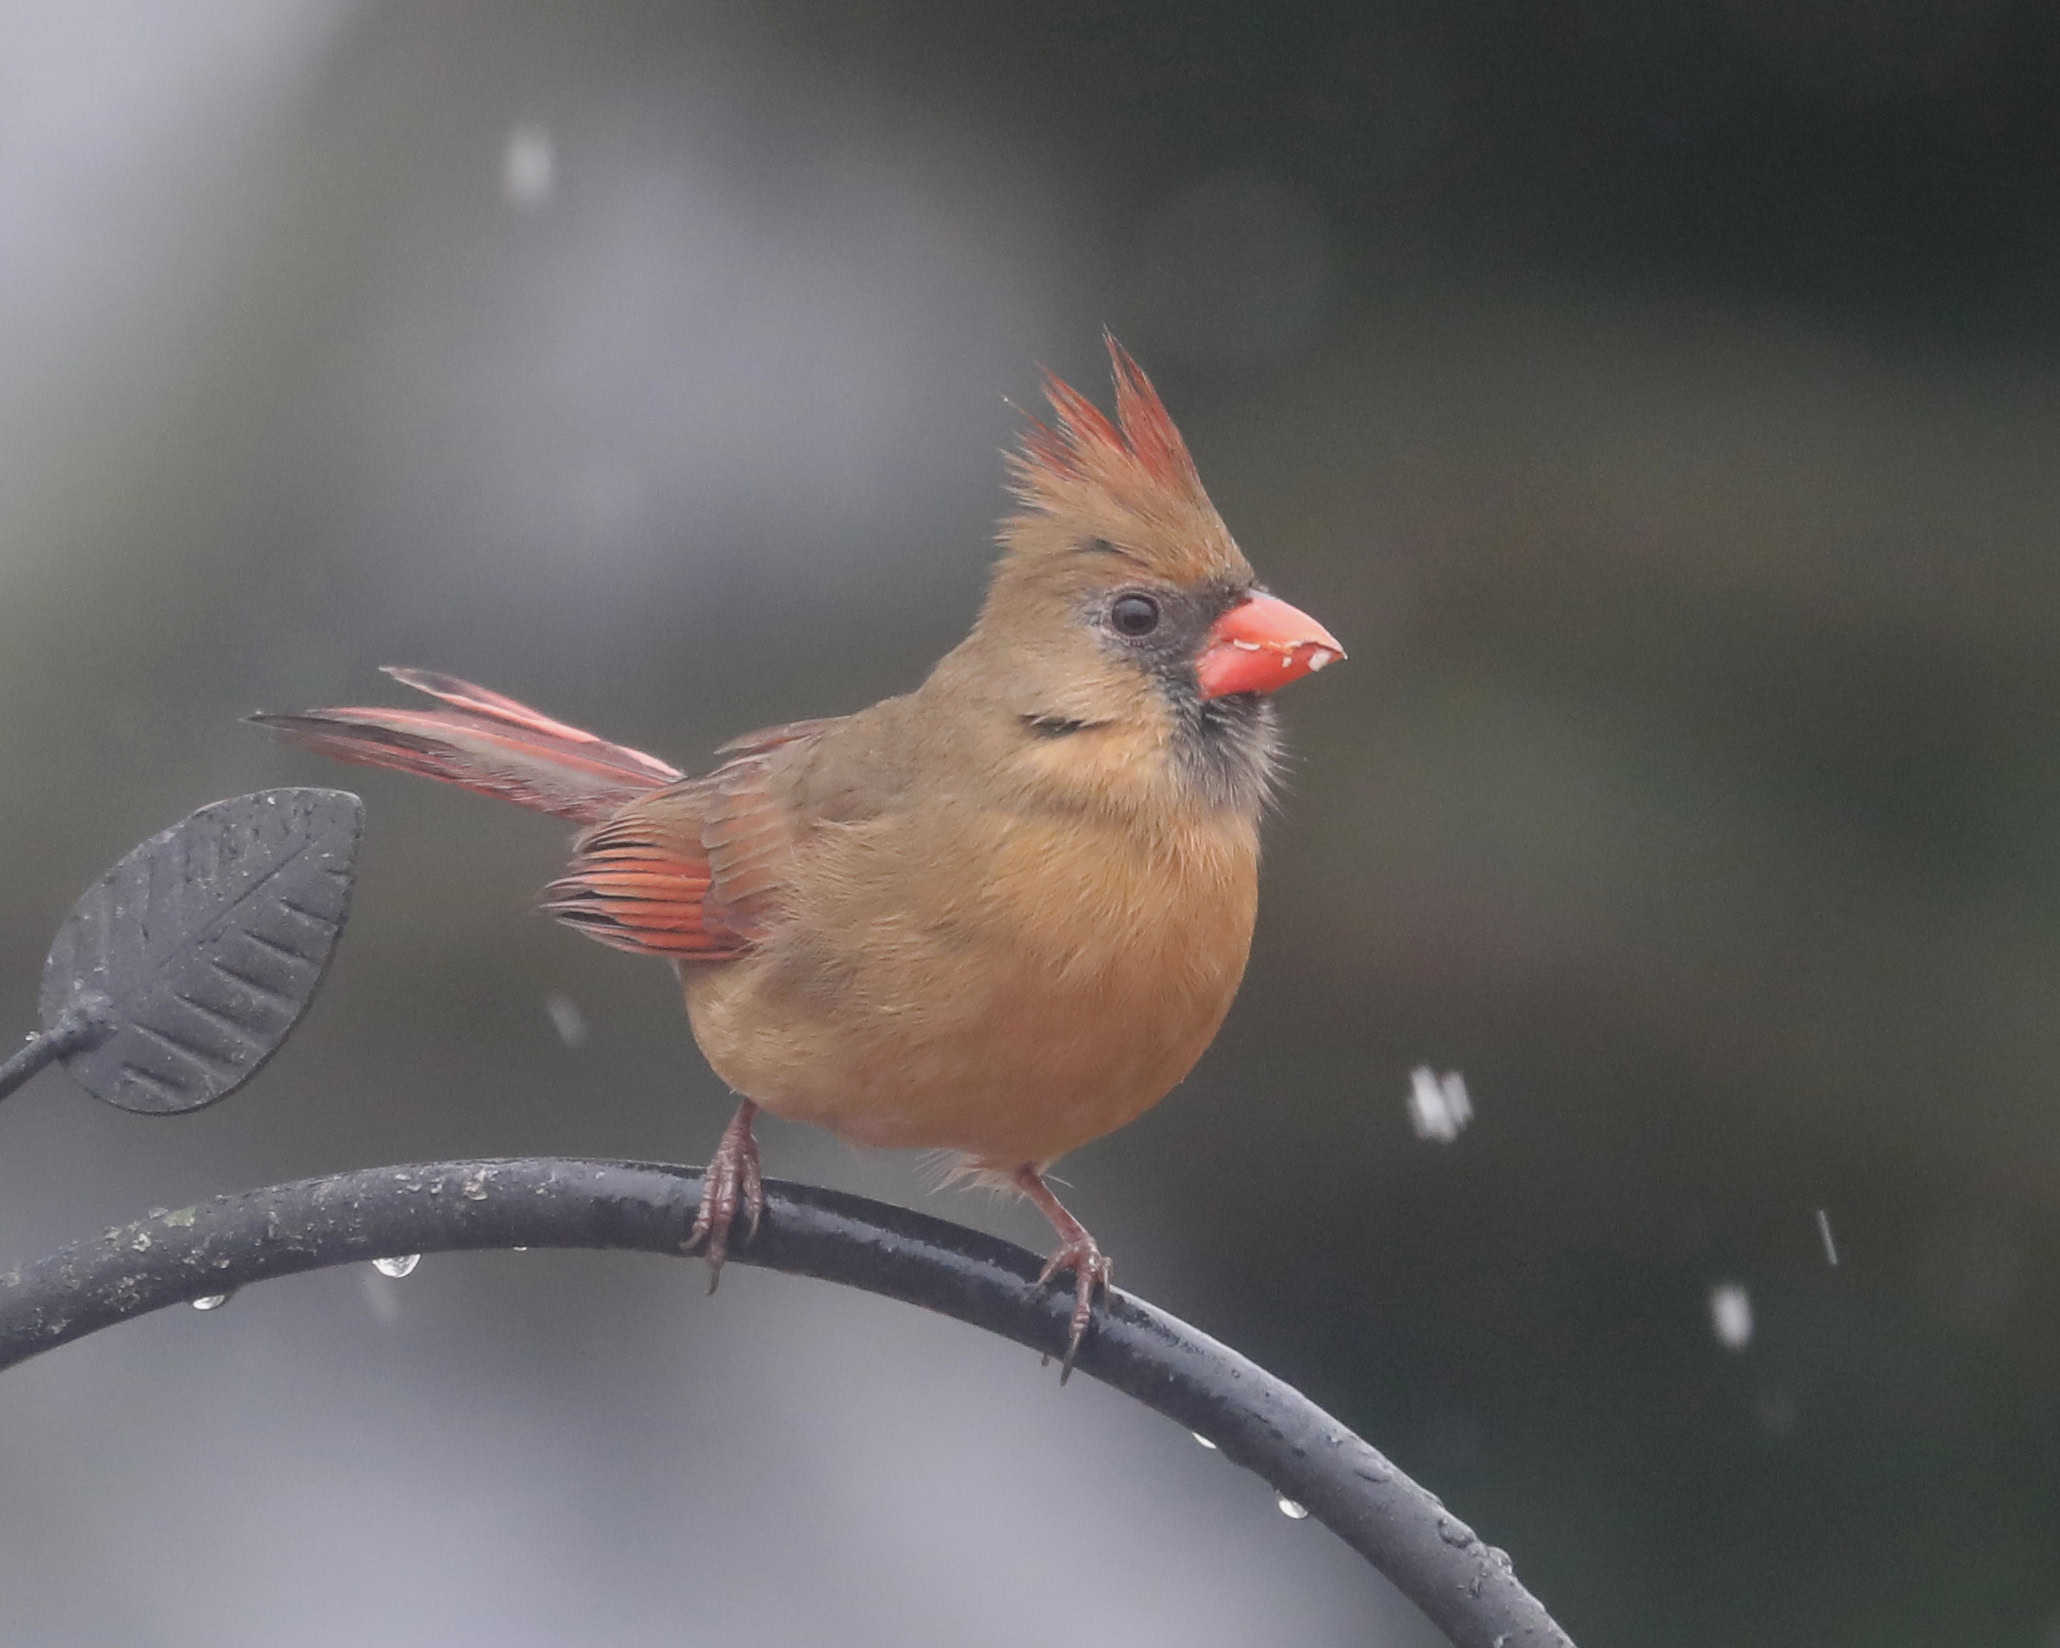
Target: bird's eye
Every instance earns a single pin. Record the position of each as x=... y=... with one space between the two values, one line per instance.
x=1134 y=615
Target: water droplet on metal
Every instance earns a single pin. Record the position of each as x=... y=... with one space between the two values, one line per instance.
x=211 y=1301
x=1205 y=1442
x=399 y=1265
x=1293 y=1509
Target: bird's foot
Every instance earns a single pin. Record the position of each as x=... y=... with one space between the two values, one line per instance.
x=1093 y=1270
x=732 y=1181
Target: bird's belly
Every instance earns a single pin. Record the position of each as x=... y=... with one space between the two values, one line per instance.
x=984 y=1045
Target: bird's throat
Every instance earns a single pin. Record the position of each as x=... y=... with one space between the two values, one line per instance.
x=1227 y=749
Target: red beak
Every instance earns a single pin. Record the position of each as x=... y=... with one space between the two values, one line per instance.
x=1260 y=644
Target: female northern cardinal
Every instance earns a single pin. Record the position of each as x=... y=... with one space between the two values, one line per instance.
x=999 y=916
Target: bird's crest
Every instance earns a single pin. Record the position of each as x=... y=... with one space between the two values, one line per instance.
x=1129 y=478
x=1085 y=445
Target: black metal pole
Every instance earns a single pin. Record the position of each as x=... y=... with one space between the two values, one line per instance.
x=82 y=1024
x=1465 y=1586
x=30 y=1057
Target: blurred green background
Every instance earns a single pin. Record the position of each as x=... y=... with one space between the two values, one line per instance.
x=1662 y=404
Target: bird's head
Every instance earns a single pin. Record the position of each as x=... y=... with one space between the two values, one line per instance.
x=1122 y=615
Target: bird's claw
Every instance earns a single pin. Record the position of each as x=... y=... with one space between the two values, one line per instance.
x=1092 y=1270
x=732 y=1181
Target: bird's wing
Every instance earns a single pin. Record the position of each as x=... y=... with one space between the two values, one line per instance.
x=771 y=738
x=694 y=871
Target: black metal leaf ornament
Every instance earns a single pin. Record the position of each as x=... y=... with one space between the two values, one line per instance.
x=184 y=967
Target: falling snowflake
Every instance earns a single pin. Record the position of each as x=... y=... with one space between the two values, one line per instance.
x=1731 y=1315
x=1824 y=1231
x=529 y=167
x=566 y=1019
x=1438 y=1105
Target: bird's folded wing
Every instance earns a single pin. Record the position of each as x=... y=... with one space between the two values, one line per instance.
x=693 y=871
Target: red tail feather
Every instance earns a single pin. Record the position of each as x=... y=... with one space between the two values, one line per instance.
x=487 y=743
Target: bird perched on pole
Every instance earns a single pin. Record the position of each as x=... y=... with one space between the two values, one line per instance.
x=999 y=916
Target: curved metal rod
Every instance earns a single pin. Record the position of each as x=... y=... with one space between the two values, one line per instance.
x=1464 y=1586
x=80 y=1025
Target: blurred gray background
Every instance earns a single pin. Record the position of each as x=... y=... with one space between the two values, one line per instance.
x=1661 y=403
